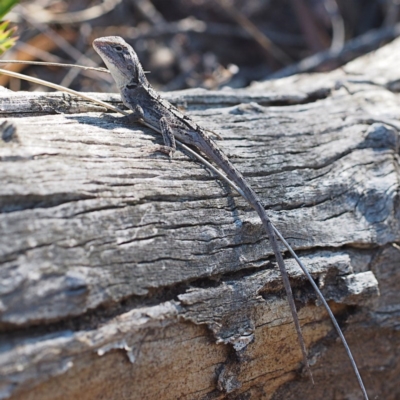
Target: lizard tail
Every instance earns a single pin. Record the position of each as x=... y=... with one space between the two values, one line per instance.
x=286 y=283
x=212 y=151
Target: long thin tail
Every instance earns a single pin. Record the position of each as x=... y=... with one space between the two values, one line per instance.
x=213 y=152
x=286 y=283
x=236 y=180
x=330 y=313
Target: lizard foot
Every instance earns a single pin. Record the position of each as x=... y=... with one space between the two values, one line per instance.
x=125 y=120
x=164 y=149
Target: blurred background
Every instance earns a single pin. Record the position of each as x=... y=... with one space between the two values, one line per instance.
x=197 y=43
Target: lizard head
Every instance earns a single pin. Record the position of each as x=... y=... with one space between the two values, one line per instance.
x=121 y=60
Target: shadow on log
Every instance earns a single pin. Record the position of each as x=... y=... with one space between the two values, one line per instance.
x=126 y=275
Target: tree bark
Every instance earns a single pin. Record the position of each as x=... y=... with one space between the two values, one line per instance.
x=126 y=275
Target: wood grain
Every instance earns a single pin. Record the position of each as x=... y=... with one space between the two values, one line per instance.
x=124 y=274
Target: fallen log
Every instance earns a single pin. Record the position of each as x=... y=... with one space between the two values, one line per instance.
x=128 y=275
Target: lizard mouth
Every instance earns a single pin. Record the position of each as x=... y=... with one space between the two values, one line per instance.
x=106 y=49
x=102 y=49
x=110 y=41
x=98 y=45
x=115 y=54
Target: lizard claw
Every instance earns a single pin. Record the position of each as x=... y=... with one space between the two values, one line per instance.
x=164 y=149
x=167 y=150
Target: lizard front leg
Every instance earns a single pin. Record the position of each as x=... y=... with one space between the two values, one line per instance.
x=168 y=137
x=137 y=114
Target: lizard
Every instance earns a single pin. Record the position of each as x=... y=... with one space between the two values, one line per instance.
x=149 y=108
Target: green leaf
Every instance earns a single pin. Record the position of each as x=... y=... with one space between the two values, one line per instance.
x=6 y=6
x=6 y=39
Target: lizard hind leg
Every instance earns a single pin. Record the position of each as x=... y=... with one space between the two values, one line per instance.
x=168 y=137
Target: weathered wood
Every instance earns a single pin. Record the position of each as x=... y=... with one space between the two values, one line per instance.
x=128 y=275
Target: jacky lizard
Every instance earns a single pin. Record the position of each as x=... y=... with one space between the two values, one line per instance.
x=138 y=95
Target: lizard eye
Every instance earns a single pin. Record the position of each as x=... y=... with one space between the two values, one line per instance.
x=118 y=48
x=131 y=86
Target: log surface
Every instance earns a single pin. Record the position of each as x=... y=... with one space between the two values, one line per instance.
x=124 y=274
